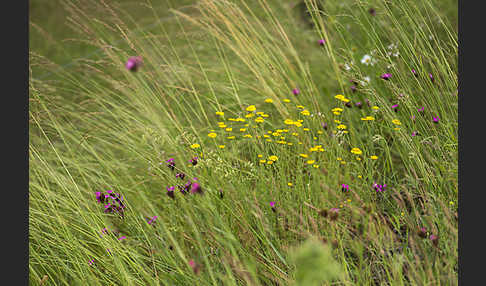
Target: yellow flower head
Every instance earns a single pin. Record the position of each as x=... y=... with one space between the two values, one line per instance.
x=220 y=113
x=396 y=121
x=212 y=135
x=373 y=157
x=305 y=112
x=286 y=100
x=221 y=146
x=341 y=126
x=231 y=137
x=247 y=135
x=251 y=108
x=268 y=100
x=303 y=155
x=242 y=129
x=195 y=146
x=289 y=121
x=273 y=158
x=289 y=184
x=356 y=151
x=249 y=115
x=310 y=162
x=367 y=118
x=229 y=129
x=259 y=120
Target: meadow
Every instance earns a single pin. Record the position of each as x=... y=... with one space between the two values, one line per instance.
x=238 y=142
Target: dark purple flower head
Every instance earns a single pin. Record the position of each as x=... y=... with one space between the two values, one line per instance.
x=421 y=110
x=170 y=191
x=348 y=104
x=353 y=88
x=221 y=194
x=422 y=232
x=171 y=163
x=295 y=91
x=272 y=204
x=435 y=239
x=100 y=198
x=359 y=104
x=195 y=267
x=395 y=107
x=180 y=175
x=431 y=77
x=322 y=42
x=372 y=11
x=133 y=63
x=344 y=188
x=193 y=161
x=324 y=125
x=196 y=188
x=436 y=119
x=415 y=73
x=368 y=102
x=113 y=202
x=386 y=76
x=415 y=133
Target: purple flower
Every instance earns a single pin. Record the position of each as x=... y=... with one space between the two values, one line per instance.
x=368 y=102
x=435 y=239
x=353 y=88
x=196 y=188
x=272 y=204
x=348 y=104
x=344 y=188
x=133 y=63
x=324 y=125
x=372 y=11
x=322 y=42
x=422 y=232
x=415 y=133
x=415 y=73
x=99 y=197
x=180 y=175
x=170 y=191
x=170 y=163
x=395 y=107
x=421 y=110
x=295 y=91
x=193 y=161
x=431 y=77
x=195 y=267
x=221 y=193
x=436 y=119
x=114 y=202
x=379 y=188
x=359 y=104
x=386 y=76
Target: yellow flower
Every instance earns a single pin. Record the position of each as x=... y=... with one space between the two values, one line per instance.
x=219 y=113
x=290 y=143
x=247 y=135
x=259 y=120
x=367 y=118
x=305 y=112
x=269 y=140
x=222 y=125
x=303 y=155
x=300 y=106
x=260 y=155
x=268 y=100
x=251 y=108
x=298 y=124
x=295 y=134
x=231 y=119
x=231 y=137
x=229 y=129
x=451 y=203
x=396 y=128
x=339 y=96
x=310 y=162
x=273 y=158
x=341 y=126
x=373 y=157
x=285 y=130
x=360 y=177
x=306 y=129
x=375 y=107
x=337 y=121
x=289 y=121
x=320 y=132
x=339 y=158
x=286 y=100
x=265 y=115
x=260 y=113
x=242 y=129
x=249 y=115
x=315 y=166
x=358 y=158
x=240 y=119
x=263 y=161
x=212 y=135
x=289 y=184
x=270 y=162
x=195 y=146
x=221 y=146
x=356 y=151
x=396 y=121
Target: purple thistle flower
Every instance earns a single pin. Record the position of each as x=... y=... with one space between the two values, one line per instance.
x=193 y=161
x=372 y=11
x=353 y=88
x=170 y=192
x=180 y=175
x=436 y=119
x=435 y=239
x=295 y=91
x=431 y=78
x=422 y=232
x=221 y=193
x=386 y=76
x=379 y=188
x=368 y=102
x=272 y=204
x=359 y=104
x=421 y=110
x=99 y=197
x=133 y=63
x=195 y=267
x=170 y=163
x=322 y=42
x=395 y=107
x=324 y=125
x=415 y=133
x=196 y=188
x=415 y=73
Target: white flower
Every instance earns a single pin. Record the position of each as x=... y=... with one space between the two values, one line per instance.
x=367 y=60
x=347 y=67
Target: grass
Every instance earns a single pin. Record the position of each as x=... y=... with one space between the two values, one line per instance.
x=260 y=220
